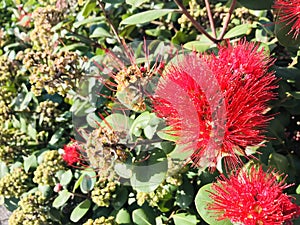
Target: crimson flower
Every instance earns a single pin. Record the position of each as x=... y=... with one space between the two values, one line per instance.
x=71 y=154
x=289 y=13
x=253 y=197
x=216 y=104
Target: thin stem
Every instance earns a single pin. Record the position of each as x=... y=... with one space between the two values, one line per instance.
x=114 y=30
x=232 y=6
x=194 y=22
x=211 y=20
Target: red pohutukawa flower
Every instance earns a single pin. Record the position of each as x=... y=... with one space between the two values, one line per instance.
x=71 y=154
x=289 y=13
x=216 y=104
x=252 y=197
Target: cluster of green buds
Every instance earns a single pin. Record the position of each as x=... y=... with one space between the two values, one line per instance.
x=46 y=171
x=15 y=183
x=31 y=211
x=163 y=192
x=219 y=12
x=13 y=143
x=101 y=221
x=7 y=74
x=54 y=72
x=48 y=111
x=103 y=192
x=45 y=18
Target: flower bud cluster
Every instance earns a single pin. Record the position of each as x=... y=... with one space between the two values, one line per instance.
x=13 y=143
x=101 y=221
x=45 y=18
x=45 y=172
x=31 y=211
x=103 y=192
x=6 y=78
x=163 y=192
x=48 y=111
x=54 y=72
x=14 y=184
x=219 y=12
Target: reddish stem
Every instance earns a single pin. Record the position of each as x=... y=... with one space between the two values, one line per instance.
x=232 y=6
x=211 y=20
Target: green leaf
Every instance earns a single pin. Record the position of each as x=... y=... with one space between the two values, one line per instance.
x=100 y=32
x=184 y=218
x=199 y=46
x=93 y=120
x=140 y=217
x=61 y=199
x=86 y=184
x=56 y=136
x=3 y=169
x=123 y=217
x=120 y=199
x=167 y=134
x=238 y=31
x=279 y=161
x=123 y=170
x=80 y=210
x=149 y=174
x=257 y=4
x=26 y=101
x=78 y=182
x=136 y=3
x=89 y=6
x=201 y=201
x=118 y=122
x=66 y=178
x=298 y=190
x=88 y=21
x=31 y=131
x=29 y=162
x=146 y=16
x=185 y=194
x=284 y=36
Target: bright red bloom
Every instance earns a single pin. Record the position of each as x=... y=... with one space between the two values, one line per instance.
x=289 y=13
x=253 y=197
x=71 y=154
x=217 y=104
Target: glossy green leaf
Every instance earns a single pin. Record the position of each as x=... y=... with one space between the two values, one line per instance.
x=201 y=201
x=80 y=210
x=56 y=136
x=66 y=177
x=61 y=199
x=3 y=169
x=123 y=217
x=140 y=217
x=118 y=122
x=284 y=36
x=120 y=199
x=199 y=46
x=279 y=161
x=87 y=184
x=89 y=6
x=185 y=218
x=29 y=162
x=149 y=174
x=146 y=16
x=136 y=3
x=257 y=4
x=238 y=31
x=185 y=194
x=100 y=32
